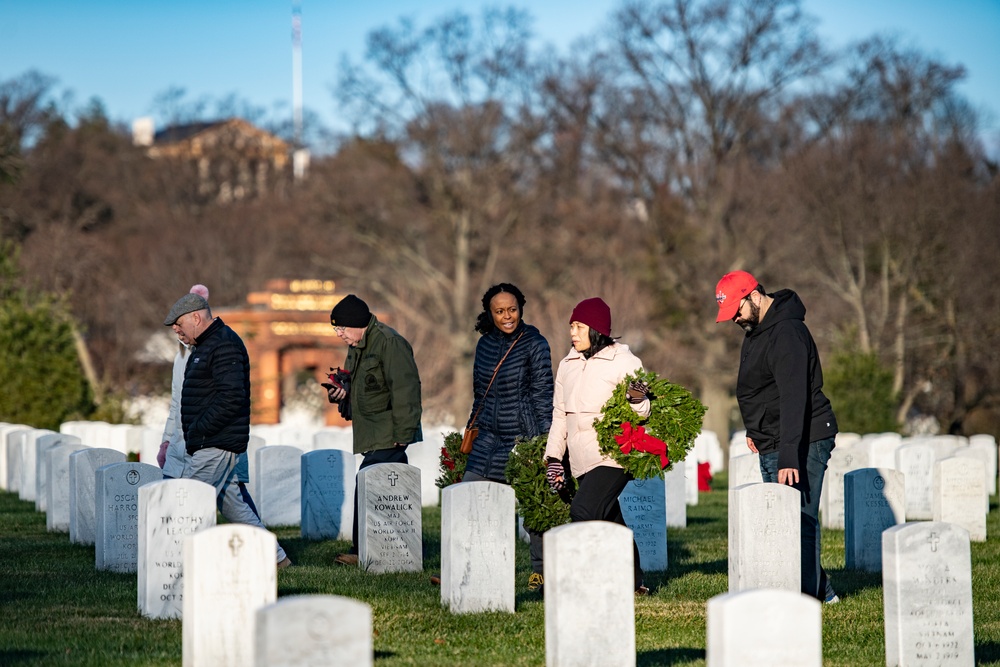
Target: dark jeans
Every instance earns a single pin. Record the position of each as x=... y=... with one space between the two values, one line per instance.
x=394 y=455
x=535 y=539
x=813 y=461
x=596 y=499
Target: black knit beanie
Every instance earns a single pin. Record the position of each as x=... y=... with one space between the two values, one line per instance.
x=350 y=312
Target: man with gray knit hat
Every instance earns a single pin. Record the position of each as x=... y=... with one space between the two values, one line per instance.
x=384 y=392
x=215 y=407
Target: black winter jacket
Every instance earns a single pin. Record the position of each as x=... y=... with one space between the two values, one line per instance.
x=215 y=400
x=518 y=404
x=780 y=386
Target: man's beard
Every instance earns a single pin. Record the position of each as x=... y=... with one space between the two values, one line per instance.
x=750 y=323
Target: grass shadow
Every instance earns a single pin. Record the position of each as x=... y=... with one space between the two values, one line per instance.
x=666 y=657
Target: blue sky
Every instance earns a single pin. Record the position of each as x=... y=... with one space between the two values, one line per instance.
x=125 y=53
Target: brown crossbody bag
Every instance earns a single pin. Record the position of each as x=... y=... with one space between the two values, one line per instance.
x=471 y=431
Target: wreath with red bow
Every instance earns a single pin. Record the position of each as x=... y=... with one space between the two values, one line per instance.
x=646 y=446
x=452 y=466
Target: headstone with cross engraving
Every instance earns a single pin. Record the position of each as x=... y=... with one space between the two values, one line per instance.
x=644 y=505
x=744 y=469
x=843 y=460
x=278 y=494
x=116 y=503
x=764 y=545
x=229 y=573
x=314 y=630
x=327 y=494
x=589 y=595
x=83 y=466
x=916 y=462
x=57 y=503
x=873 y=501
x=764 y=628
x=389 y=522
x=43 y=444
x=960 y=495
x=477 y=547
x=927 y=592
x=169 y=511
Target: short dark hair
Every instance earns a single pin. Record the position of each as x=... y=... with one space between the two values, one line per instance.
x=484 y=322
x=598 y=342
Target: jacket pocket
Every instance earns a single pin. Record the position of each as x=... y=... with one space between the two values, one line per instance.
x=373 y=396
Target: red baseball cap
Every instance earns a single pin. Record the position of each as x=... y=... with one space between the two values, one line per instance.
x=730 y=292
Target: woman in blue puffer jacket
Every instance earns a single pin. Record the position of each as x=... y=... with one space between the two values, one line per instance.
x=519 y=402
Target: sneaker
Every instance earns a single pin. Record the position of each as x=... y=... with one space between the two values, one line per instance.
x=642 y=590
x=535 y=582
x=436 y=579
x=833 y=598
x=346 y=559
x=286 y=562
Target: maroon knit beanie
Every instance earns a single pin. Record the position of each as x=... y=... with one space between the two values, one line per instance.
x=594 y=313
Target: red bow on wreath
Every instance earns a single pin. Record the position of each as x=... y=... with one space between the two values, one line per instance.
x=448 y=462
x=640 y=441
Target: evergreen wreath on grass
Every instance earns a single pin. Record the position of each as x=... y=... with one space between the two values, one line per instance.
x=540 y=506
x=452 y=461
x=646 y=446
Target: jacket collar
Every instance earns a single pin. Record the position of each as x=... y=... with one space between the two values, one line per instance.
x=216 y=324
x=608 y=352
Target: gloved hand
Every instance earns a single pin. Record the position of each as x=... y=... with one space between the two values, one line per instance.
x=555 y=474
x=161 y=456
x=637 y=391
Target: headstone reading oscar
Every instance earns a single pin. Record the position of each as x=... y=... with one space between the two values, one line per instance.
x=644 y=506
x=916 y=462
x=116 y=505
x=873 y=501
x=389 y=521
x=43 y=444
x=764 y=545
x=300 y=630
x=477 y=547
x=327 y=494
x=959 y=495
x=83 y=466
x=229 y=573
x=57 y=512
x=786 y=630
x=169 y=511
x=927 y=592
x=279 y=485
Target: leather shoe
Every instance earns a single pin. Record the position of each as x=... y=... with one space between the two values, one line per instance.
x=436 y=579
x=286 y=562
x=346 y=559
x=642 y=590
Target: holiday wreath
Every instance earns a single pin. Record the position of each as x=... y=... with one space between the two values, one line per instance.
x=541 y=507
x=452 y=461
x=646 y=446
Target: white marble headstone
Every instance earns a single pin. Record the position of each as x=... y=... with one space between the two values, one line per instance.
x=764 y=537
x=327 y=494
x=426 y=456
x=960 y=495
x=873 y=501
x=5 y=430
x=254 y=445
x=83 y=467
x=43 y=445
x=477 y=547
x=744 y=469
x=675 y=486
x=881 y=449
x=690 y=466
x=389 y=518
x=916 y=462
x=301 y=630
x=28 y=486
x=229 y=573
x=644 y=506
x=116 y=506
x=57 y=503
x=764 y=628
x=927 y=591
x=278 y=494
x=15 y=458
x=169 y=512
x=842 y=461
x=982 y=455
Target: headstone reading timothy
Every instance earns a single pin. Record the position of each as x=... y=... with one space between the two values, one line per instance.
x=327 y=494
x=873 y=501
x=764 y=628
x=764 y=537
x=477 y=547
x=83 y=467
x=389 y=520
x=314 y=630
x=116 y=504
x=644 y=506
x=927 y=591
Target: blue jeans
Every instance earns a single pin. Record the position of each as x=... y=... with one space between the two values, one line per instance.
x=812 y=460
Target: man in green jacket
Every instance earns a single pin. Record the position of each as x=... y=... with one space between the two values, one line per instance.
x=383 y=393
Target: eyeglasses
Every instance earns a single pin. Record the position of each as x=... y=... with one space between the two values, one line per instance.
x=339 y=330
x=739 y=309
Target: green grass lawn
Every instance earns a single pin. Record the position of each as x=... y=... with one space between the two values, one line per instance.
x=55 y=609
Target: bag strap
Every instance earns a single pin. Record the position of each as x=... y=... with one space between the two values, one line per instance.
x=476 y=416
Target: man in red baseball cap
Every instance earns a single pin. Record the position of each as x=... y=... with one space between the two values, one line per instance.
x=788 y=420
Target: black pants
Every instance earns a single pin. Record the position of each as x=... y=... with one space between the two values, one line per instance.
x=597 y=500
x=393 y=455
x=535 y=539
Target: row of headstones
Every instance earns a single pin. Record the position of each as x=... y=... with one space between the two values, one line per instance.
x=926 y=570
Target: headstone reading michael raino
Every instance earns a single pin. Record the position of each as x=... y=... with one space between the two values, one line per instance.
x=643 y=504
x=589 y=595
x=229 y=573
x=764 y=628
x=873 y=501
x=764 y=545
x=927 y=591
x=389 y=521
x=317 y=630
x=477 y=547
x=83 y=467
x=169 y=511
x=116 y=503
x=327 y=494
